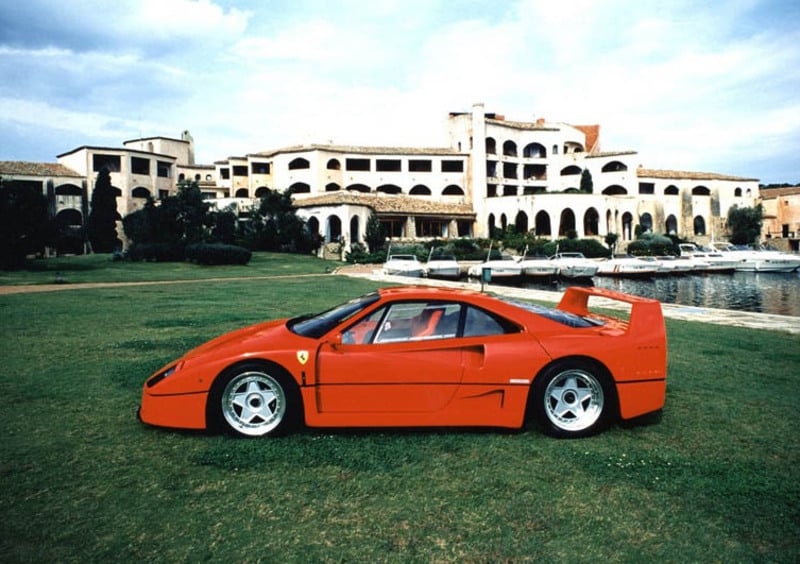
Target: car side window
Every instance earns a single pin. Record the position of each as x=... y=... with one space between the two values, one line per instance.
x=407 y=321
x=362 y=332
x=481 y=323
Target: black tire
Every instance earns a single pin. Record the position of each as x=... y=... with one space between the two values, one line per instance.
x=255 y=400
x=573 y=399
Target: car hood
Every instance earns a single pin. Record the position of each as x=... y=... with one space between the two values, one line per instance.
x=240 y=338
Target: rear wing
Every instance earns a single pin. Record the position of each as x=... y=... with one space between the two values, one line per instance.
x=643 y=314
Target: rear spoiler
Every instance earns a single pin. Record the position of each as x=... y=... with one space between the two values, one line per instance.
x=644 y=312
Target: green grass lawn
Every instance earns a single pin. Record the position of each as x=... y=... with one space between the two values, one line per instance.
x=716 y=479
x=100 y=268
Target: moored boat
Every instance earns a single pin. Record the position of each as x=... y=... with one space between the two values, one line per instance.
x=403 y=265
x=751 y=260
x=574 y=265
x=538 y=267
x=715 y=261
x=626 y=266
x=443 y=266
x=502 y=267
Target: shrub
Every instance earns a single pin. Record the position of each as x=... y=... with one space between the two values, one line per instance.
x=157 y=252
x=217 y=253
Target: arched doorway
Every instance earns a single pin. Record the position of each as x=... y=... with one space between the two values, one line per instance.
x=591 y=222
x=333 y=229
x=567 y=225
x=542 y=224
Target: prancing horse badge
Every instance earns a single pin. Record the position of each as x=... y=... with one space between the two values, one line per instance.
x=302 y=357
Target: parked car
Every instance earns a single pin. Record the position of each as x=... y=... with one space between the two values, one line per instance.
x=423 y=357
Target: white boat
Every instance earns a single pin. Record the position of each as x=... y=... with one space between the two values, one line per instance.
x=664 y=267
x=626 y=266
x=574 y=265
x=502 y=267
x=538 y=267
x=675 y=265
x=715 y=261
x=751 y=260
x=403 y=265
x=443 y=266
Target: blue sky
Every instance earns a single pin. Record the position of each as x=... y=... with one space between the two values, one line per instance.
x=702 y=86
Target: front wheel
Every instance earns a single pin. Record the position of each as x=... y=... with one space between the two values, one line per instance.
x=573 y=400
x=256 y=401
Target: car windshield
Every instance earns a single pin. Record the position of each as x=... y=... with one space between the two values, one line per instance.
x=558 y=315
x=315 y=326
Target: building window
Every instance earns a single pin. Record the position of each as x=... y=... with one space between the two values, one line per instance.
x=240 y=170
x=647 y=188
x=357 y=164
x=224 y=173
x=259 y=168
x=334 y=164
x=393 y=226
x=140 y=166
x=164 y=169
x=509 y=170
x=387 y=165
x=614 y=166
x=109 y=162
x=431 y=227
x=452 y=166
x=299 y=163
x=419 y=165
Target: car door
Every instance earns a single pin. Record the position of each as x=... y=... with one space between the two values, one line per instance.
x=403 y=358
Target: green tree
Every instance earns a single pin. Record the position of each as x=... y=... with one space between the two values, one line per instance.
x=744 y=224
x=101 y=224
x=23 y=222
x=192 y=212
x=275 y=226
x=374 y=234
x=587 y=184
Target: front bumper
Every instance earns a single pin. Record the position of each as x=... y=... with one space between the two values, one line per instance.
x=179 y=411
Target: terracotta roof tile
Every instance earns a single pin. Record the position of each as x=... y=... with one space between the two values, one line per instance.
x=362 y=150
x=383 y=203
x=686 y=175
x=24 y=168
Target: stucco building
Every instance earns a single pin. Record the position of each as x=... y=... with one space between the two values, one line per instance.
x=494 y=173
x=781 y=227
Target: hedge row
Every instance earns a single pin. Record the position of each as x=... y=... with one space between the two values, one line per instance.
x=218 y=253
x=201 y=253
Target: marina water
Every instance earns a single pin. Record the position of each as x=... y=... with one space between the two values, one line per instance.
x=764 y=292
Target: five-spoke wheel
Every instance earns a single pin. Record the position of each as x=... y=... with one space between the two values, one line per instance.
x=572 y=400
x=255 y=401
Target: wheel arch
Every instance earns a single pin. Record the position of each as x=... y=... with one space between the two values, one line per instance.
x=572 y=360
x=213 y=424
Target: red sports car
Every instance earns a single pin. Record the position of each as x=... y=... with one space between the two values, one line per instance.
x=424 y=357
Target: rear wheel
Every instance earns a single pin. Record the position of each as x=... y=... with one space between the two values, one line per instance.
x=573 y=399
x=256 y=400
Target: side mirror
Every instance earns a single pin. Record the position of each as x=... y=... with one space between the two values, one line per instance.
x=335 y=341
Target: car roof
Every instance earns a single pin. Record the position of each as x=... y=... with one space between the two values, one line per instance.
x=434 y=293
